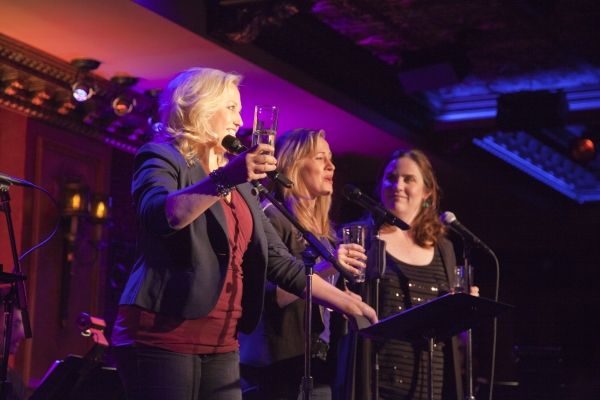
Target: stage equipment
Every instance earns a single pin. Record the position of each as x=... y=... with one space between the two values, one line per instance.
x=435 y=321
x=84 y=86
x=83 y=377
x=234 y=146
x=124 y=103
x=470 y=240
x=355 y=195
x=17 y=291
x=449 y=219
x=531 y=110
x=585 y=149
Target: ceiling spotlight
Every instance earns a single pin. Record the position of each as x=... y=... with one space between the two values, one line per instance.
x=585 y=148
x=82 y=91
x=124 y=103
x=84 y=86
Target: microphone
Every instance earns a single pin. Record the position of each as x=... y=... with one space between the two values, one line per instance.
x=9 y=180
x=354 y=194
x=449 y=219
x=234 y=146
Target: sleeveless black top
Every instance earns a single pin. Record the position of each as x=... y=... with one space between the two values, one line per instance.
x=403 y=366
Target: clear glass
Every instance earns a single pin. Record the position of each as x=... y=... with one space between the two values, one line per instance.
x=355 y=234
x=459 y=279
x=265 y=124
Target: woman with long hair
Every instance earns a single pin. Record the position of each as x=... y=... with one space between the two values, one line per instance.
x=419 y=263
x=273 y=355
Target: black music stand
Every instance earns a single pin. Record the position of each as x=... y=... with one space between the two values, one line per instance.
x=80 y=378
x=435 y=321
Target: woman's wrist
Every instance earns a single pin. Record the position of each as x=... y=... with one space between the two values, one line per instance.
x=221 y=183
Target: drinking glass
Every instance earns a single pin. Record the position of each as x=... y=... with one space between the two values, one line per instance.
x=355 y=234
x=265 y=124
x=459 y=279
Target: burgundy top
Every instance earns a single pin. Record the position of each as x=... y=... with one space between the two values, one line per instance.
x=214 y=333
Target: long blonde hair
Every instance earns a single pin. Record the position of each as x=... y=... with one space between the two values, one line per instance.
x=292 y=149
x=186 y=106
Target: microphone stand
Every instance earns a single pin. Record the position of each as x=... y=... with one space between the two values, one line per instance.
x=309 y=257
x=17 y=278
x=376 y=259
x=468 y=337
x=319 y=250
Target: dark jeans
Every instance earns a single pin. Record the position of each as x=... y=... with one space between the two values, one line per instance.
x=153 y=373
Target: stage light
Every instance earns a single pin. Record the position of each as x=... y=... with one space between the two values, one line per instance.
x=82 y=91
x=124 y=103
x=585 y=148
x=84 y=86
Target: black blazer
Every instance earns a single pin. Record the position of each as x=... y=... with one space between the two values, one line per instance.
x=181 y=272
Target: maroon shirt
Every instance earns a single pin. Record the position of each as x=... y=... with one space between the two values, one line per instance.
x=214 y=333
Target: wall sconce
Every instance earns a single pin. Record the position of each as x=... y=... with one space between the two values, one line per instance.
x=124 y=103
x=84 y=86
x=78 y=205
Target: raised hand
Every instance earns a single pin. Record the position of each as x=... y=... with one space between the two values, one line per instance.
x=252 y=164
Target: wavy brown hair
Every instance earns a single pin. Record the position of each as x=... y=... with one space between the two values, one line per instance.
x=426 y=228
x=291 y=150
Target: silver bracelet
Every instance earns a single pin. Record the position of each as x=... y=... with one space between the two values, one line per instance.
x=220 y=181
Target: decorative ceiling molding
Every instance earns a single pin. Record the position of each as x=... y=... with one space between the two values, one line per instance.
x=38 y=86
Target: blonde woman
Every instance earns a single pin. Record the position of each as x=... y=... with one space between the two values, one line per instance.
x=273 y=355
x=204 y=250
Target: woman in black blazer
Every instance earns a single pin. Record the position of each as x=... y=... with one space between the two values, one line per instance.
x=205 y=250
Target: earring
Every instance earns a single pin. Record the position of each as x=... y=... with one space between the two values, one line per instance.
x=425 y=204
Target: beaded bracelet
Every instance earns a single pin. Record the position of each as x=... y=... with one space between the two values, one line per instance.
x=220 y=181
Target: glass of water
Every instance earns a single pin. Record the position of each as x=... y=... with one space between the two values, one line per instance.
x=459 y=280
x=355 y=234
x=265 y=124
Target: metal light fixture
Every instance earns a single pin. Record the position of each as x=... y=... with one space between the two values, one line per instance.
x=84 y=86
x=78 y=204
x=75 y=199
x=585 y=149
x=124 y=103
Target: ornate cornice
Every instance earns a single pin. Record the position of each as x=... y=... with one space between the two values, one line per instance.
x=38 y=85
